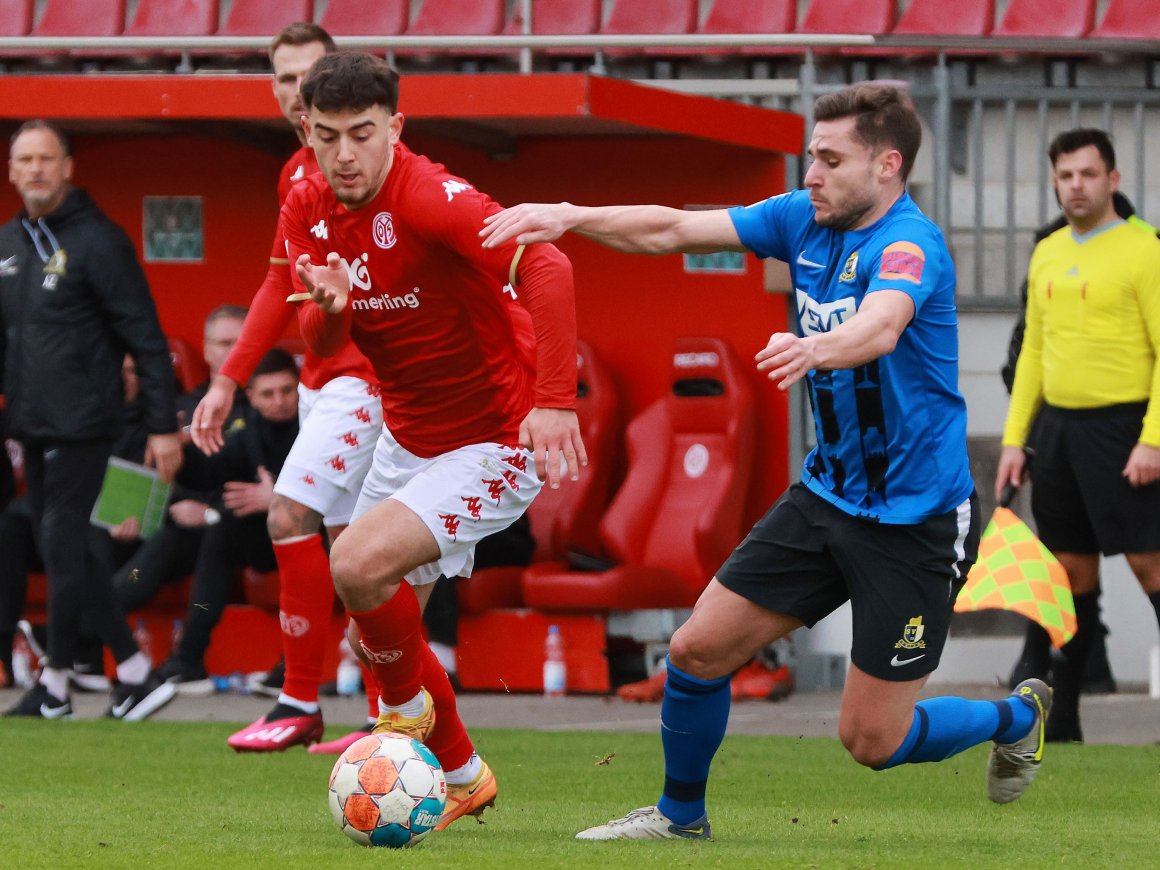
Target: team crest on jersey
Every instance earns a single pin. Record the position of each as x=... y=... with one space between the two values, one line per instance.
x=850 y=270
x=56 y=266
x=384 y=230
x=912 y=635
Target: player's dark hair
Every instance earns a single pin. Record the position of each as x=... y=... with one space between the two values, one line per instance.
x=884 y=117
x=276 y=360
x=234 y=312
x=41 y=124
x=1070 y=141
x=350 y=81
x=302 y=33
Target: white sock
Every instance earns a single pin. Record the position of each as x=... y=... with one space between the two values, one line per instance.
x=134 y=669
x=446 y=656
x=413 y=709
x=56 y=681
x=465 y=774
x=307 y=707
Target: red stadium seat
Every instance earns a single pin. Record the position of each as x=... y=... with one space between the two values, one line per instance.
x=68 y=18
x=457 y=18
x=174 y=18
x=1129 y=19
x=262 y=18
x=15 y=17
x=947 y=18
x=188 y=364
x=359 y=18
x=679 y=512
x=743 y=16
x=567 y=518
x=1048 y=18
x=559 y=17
x=653 y=17
x=848 y=16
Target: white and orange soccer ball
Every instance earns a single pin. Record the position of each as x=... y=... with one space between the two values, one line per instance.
x=387 y=790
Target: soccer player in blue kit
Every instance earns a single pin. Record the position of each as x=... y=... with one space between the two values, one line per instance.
x=885 y=514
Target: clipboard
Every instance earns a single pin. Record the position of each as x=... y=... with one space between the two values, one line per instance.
x=131 y=490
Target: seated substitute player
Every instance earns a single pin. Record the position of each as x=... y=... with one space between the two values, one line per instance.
x=474 y=384
x=885 y=514
x=340 y=418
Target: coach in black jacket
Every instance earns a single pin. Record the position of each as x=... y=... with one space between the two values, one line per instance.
x=73 y=302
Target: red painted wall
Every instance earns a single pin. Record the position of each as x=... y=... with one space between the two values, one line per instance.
x=630 y=307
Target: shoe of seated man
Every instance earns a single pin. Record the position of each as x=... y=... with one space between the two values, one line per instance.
x=268 y=683
x=341 y=744
x=281 y=728
x=40 y=702
x=418 y=727
x=469 y=799
x=135 y=702
x=648 y=823
x=1013 y=766
x=187 y=679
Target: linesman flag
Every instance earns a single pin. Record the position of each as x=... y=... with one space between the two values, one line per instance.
x=1016 y=572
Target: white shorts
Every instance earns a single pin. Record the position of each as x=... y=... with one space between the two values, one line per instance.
x=462 y=496
x=338 y=428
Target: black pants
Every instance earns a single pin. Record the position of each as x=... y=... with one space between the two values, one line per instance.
x=64 y=479
x=235 y=542
x=168 y=557
x=18 y=556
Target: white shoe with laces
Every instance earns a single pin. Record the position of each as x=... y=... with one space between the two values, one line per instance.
x=647 y=823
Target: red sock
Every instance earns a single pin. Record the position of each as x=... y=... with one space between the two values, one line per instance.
x=392 y=637
x=449 y=741
x=304 y=603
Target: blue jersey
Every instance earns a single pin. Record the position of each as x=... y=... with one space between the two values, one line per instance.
x=891 y=434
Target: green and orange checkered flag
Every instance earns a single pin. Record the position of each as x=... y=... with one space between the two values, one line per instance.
x=1016 y=572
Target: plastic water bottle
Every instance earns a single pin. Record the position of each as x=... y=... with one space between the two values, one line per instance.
x=22 y=662
x=555 y=671
x=144 y=639
x=175 y=639
x=349 y=677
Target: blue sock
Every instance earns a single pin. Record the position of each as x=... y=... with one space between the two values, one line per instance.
x=943 y=727
x=694 y=714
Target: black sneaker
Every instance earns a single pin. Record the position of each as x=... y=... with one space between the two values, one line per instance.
x=132 y=702
x=39 y=701
x=187 y=679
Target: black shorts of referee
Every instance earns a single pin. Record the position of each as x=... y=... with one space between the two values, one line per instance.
x=1081 y=501
x=805 y=558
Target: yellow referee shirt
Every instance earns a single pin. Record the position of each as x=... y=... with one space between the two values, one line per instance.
x=1093 y=327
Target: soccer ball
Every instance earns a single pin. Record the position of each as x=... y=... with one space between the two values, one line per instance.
x=387 y=790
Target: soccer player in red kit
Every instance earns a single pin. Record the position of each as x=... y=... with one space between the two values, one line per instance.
x=340 y=418
x=478 y=388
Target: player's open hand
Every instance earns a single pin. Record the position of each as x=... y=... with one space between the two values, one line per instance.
x=210 y=415
x=1143 y=465
x=329 y=285
x=553 y=436
x=163 y=452
x=786 y=359
x=527 y=224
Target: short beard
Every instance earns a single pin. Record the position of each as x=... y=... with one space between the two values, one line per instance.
x=847 y=218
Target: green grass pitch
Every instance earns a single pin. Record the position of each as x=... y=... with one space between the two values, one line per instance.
x=169 y=794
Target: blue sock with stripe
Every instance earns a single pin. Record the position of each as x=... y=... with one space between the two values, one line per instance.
x=694 y=714
x=943 y=727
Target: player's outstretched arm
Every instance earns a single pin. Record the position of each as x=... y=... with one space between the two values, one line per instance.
x=635 y=229
x=553 y=436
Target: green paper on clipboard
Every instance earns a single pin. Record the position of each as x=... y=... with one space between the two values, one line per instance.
x=131 y=490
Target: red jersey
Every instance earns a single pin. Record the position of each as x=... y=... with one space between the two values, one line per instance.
x=459 y=360
x=269 y=314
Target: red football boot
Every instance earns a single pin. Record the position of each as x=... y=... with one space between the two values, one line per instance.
x=281 y=728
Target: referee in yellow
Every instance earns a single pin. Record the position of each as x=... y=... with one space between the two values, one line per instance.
x=1089 y=367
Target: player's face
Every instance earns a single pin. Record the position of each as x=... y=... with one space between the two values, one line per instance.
x=274 y=396
x=1085 y=187
x=354 y=150
x=220 y=337
x=291 y=63
x=842 y=179
x=39 y=170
